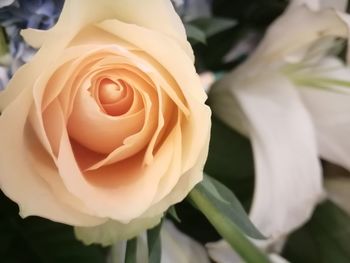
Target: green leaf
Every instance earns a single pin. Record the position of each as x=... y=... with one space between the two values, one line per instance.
x=131 y=251
x=213 y=25
x=228 y=217
x=40 y=241
x=227 y=205
x=232 y=154
x=154 y=244
x=195 y=34
x=173 y=213
x=325 y=238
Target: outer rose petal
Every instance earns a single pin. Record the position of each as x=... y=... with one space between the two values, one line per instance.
x=76 y=14
x=18 y=178
x=107 y=233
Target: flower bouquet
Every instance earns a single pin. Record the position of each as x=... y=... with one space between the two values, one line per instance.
x=184 y=131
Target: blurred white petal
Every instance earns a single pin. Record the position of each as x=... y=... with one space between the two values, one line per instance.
x=304 y=27
x=288 y=177
x=4 y=3
x=312 y=4
x=221 y=252
x=179 y=248
x=207 y=79
x=340 y=5
x=243 y=47
x=320 y=4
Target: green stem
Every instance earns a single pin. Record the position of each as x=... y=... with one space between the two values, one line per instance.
x=3 y=43
x=131 y=251
x=229 y=231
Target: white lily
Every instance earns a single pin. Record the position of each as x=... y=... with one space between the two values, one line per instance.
x=292 y=99
x=176 y=248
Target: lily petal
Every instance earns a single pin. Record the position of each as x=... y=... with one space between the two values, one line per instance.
x=179 y=248
x=330 y=109
x=316 y=5
x=292 y=47
x=288 y=177
x=339 y=5
x=221 y=252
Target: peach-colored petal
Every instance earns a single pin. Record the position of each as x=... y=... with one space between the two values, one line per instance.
x=184 y=185
x=148 y=41
x=42 y=161
x=184 y=77
x=195 y=131
x=134 y=196
x=102 y=133
x=172 y=175
x=43 y=96
x=19 y=180
x=77 y=14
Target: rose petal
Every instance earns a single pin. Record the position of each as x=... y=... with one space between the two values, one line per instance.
x=185 y=184
x=87 y=12
x=194 y=96
x=19 y=180
x=113 y=231
x=124 y=181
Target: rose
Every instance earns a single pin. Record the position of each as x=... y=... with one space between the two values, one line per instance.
x=106 y=126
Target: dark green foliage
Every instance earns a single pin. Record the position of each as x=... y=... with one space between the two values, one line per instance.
x=36 y=240
x=324 y=239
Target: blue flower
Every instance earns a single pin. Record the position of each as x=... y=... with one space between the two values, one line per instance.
x=41 y=14
x=192 y=9
x=20 y=14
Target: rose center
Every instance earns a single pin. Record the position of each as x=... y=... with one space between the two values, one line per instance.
x=114 y=96
x=110 y=92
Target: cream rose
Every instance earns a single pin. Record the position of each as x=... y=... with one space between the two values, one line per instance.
x=106 y=126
